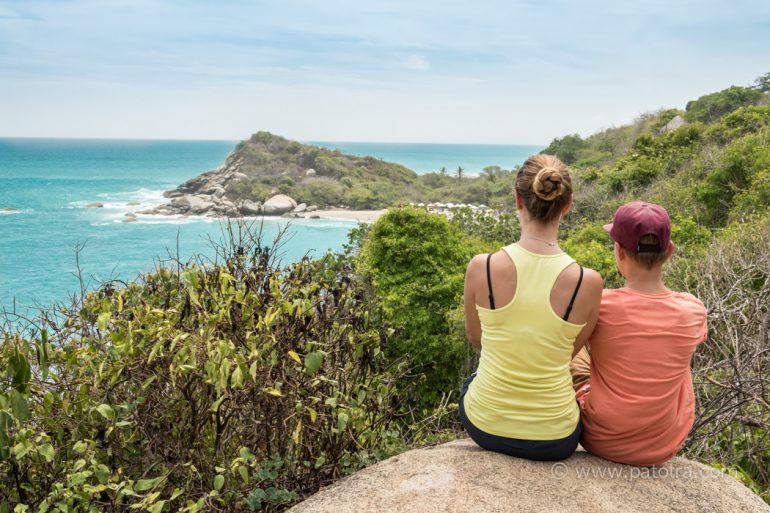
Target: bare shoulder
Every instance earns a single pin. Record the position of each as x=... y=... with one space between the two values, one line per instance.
x=477 y=262
x=593 y=285
x=476 y=266
x=593 y=280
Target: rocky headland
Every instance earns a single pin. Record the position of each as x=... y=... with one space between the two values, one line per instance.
x=268 y=175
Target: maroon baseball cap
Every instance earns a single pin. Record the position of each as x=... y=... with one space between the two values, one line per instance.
x=634 y=220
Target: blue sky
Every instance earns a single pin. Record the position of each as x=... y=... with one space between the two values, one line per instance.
x=479 y=72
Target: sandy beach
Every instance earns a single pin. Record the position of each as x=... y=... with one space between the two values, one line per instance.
x=362 y=216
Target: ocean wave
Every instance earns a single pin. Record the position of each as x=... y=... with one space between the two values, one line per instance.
x=142 y=195
x=128 y=201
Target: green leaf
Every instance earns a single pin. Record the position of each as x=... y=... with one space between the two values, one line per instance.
x=46 y=451
x=103 y=320
x=106 y=411
x=295 y=356
x=147 y=484
x=342 y=421
x=215 y=405
x=313 y=362
x=246 y=454
x=313 y=414
x=19 y=371
x=157 y=507
x=219 y=482
x=19 y=406
x=236 y=380
x=244 y=474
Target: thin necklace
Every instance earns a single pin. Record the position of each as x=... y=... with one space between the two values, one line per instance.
x=552 y=244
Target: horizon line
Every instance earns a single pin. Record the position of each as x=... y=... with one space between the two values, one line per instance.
x=310 y=142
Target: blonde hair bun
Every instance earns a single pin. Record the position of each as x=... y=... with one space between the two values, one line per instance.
x=548 y=184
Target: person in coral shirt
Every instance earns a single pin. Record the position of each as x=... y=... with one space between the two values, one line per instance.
x=637 y=403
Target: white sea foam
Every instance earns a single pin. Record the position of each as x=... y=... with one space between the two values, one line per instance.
x=17 y=211
x=145 y=198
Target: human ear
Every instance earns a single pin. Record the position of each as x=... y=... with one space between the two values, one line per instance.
x=519 y=201
x=620 y=255
x=671 y=249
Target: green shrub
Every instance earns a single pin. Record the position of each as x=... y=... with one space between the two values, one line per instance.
x=710 y=107
x=417 y=262
x=734 y=174
x=202 y=388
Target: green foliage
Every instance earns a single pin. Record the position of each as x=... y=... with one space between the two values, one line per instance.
x=566 y=148
x=206 y=388
x=710 y=107
x=273 y=163
x=762 y=83
x=736 y=174
x=491 y=230
x=417 y=262
x=732 y=277
x=591 y=247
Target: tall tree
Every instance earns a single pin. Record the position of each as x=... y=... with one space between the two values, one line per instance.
x=460 y=172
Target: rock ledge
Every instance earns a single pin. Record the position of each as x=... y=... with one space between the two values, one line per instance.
x=460 y=477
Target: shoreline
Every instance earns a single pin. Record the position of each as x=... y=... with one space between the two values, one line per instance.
x=362 y=216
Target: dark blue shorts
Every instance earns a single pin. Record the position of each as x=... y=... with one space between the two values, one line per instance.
x=541 y=450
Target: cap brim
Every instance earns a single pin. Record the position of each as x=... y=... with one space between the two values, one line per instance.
x=608 y=228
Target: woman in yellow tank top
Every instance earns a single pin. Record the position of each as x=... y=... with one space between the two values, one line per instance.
x=530 y=308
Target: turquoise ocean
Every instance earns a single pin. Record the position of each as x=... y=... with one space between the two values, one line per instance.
x=50 y=181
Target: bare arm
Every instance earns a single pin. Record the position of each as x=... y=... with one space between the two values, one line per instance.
x=591 y=293
x=472 y=323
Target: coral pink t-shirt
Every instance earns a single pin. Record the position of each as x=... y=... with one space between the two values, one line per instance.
x=640 y=406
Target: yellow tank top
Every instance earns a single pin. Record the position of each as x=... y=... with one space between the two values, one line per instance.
x=523 y=387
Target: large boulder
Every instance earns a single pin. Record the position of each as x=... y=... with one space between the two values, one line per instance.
x=460 y=477
x=198 y=205
x=673 y=124
x=278 y=205
x=251 y=208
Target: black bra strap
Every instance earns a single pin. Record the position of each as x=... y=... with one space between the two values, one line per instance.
x=574 y=294
x=489 y=284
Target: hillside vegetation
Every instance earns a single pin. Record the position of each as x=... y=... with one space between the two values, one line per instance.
x=273 y=164
x=239 y=385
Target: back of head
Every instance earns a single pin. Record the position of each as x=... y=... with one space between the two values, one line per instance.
x=643 y=230
x=648 y=259
x=544 y=185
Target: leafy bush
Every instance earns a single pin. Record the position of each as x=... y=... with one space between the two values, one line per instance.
x=734 y=174
x=566 y=148
x=417 y=262
x=200 y=388
x=710 y=107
